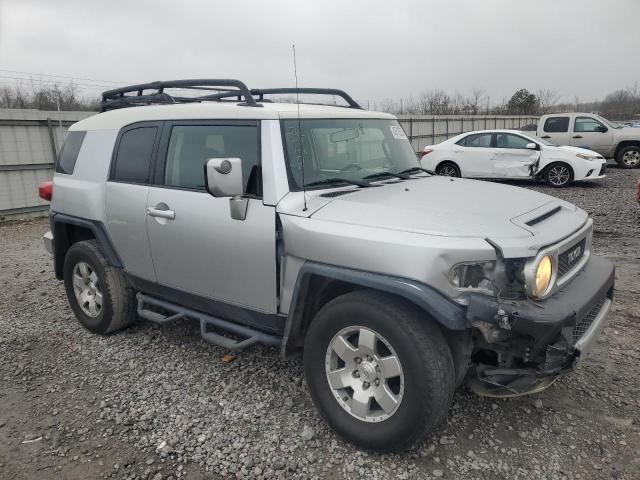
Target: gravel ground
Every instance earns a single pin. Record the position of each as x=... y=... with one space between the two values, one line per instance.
x=159 y=403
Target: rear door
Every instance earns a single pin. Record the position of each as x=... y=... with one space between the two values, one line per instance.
x=195 y=244
x=474 y=154
x=126 y=194
x=512 y=158
x=556 y=130
x=588 y=132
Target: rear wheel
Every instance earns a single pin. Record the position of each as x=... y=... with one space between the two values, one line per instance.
x=378 y=370
x=98 y=293
x=558 y=175
x=629 y=157
x=448 y=169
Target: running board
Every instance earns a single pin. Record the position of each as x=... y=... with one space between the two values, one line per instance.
x=248 y=334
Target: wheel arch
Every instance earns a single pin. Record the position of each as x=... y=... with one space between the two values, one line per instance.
x=68 y=230
x=624 y=144
x=452 y=162
x=317 y=284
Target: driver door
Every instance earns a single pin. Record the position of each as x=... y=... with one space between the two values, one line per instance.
x=513 y=159
x=592 y=134
x=195 y=245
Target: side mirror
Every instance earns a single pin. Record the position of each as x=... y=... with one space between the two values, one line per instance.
x=602 y=129
x=223 y=178
x=532 y=146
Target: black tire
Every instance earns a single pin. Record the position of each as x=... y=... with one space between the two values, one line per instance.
x=422 y=352
x=118 y=308
x=558 y=175
x=448 y=169
x=629 y=157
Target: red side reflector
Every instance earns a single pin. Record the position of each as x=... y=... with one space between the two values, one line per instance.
x=426 y=151
x=45 y=190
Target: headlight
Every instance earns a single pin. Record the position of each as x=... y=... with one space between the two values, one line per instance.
x=477 y=275
x=584 y=156
x=544 y=274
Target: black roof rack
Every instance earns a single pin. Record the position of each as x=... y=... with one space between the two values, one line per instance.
x=261 y=92
x=117 y=98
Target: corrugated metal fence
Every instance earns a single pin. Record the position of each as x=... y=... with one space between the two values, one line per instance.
x=29 y=142
x=426 y=130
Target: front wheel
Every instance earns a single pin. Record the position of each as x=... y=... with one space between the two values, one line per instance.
x=378 y=370
x=558 y=175
x=629 y=157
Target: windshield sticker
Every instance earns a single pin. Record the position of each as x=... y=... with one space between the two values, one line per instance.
x=397 y=132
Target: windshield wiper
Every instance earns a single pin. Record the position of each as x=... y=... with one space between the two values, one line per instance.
x=417 y=169
x=332 y=180
x=387 y=174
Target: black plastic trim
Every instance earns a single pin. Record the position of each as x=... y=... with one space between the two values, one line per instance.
x=443 y=310
x=61 y=245
x=266 y=322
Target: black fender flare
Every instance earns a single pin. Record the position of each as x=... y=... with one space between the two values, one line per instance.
x=443 y=310
x=61 y=244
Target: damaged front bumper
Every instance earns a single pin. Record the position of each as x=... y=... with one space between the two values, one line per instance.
x=522 y=346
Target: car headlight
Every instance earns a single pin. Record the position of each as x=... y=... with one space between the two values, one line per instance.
x=472 y=275
x=584 y=156
x=544 y=274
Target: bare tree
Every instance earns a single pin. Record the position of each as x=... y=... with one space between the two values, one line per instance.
x=547 y=99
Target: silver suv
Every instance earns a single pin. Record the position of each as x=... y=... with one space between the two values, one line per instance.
x=313 y=228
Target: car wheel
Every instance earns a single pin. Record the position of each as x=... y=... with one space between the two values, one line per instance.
x=558 y=175
x=98 y=293
x=629 y=157
x=448 y=169
x=378 y=370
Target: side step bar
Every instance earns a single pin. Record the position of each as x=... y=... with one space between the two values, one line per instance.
x=248 y=334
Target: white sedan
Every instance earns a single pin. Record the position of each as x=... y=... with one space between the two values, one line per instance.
x=512 y=154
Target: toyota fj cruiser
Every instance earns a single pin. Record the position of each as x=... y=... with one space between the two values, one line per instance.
x=313 y=228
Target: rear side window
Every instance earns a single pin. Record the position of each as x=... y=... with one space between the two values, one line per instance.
x=134 y=155
x=69 y=153
x=481 y=140
x=556 y=124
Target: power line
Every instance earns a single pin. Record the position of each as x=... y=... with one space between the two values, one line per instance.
x=118 y=82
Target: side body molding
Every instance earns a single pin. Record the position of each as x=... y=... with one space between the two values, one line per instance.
x=446 y=312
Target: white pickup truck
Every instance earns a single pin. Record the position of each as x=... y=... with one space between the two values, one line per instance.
x=588 y=130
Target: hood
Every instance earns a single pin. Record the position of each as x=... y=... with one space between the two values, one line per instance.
x=574 y=150
x=457 y=207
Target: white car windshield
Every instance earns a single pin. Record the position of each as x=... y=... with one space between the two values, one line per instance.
x=324 y=152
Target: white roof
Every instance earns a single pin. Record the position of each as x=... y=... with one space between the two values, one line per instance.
x=116 y=119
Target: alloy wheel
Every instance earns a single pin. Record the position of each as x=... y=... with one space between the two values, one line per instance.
x=447 y=171
x=559 y=175
x=87 y=289
x=364 y=373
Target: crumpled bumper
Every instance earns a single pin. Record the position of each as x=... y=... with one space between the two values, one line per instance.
x=530 y=343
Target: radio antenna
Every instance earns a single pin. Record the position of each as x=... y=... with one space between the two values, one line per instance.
x=295 y=74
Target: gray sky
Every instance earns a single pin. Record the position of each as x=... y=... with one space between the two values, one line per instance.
x=372 y=49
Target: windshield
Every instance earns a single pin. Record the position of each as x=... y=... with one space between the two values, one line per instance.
x=354 y=150
x=608 y=122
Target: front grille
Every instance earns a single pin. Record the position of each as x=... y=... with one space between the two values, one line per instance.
x=603 y=169
x=583 y=325
x=570 y=258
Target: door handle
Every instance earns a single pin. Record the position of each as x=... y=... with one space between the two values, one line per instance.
x=577 y=136
x=155 y=212
x=546 y=136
